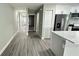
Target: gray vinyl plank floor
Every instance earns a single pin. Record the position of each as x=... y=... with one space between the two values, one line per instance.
x=30 y=45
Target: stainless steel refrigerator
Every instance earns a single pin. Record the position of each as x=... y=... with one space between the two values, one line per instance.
x=60 y=20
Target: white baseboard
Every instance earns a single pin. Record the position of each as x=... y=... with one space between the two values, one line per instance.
x=8 y=43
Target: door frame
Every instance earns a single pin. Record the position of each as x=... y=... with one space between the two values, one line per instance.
x=34 y=22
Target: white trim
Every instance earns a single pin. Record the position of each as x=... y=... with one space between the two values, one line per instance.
x=3 y=49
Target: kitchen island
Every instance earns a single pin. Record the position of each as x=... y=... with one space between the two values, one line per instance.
x=65 y=43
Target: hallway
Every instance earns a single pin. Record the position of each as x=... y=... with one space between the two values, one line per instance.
x=28 y=46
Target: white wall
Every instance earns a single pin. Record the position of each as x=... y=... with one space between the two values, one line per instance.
x=39 y=23
x=74 y=7
x=62 y=9
x=66 y=8
x=7 y=24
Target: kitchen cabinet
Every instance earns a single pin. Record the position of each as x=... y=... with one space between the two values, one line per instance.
x=57 y=45
x=71 y=49
x=65 y=43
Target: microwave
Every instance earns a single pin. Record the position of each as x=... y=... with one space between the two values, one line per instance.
x=74 y=15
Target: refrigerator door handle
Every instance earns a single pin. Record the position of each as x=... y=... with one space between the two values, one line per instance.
x=62 y=23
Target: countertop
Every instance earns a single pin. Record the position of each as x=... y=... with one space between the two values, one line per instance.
x=72 y=36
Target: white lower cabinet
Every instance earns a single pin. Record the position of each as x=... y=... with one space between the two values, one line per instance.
x=64 y=44
x=57 y=45
x=71 y=49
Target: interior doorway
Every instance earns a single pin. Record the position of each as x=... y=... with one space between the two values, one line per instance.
x=31 y=22
x=22 y=21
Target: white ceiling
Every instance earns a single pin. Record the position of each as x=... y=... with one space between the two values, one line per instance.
x=33 y=6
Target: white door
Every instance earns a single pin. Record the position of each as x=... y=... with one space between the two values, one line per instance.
x=24 y=22
x=48 y=23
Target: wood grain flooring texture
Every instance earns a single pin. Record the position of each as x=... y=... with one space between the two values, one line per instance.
x=31 y=45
